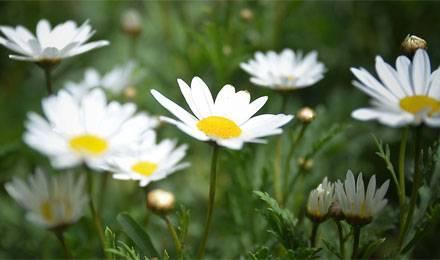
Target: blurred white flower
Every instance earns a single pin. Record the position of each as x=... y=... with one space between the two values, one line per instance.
x=360 y=206
x=148 y=161
x=285 y=71
x=51 y=201
x=88 y=130
x=49 y=45
x=228 y=121
x=407 y=95
x=320 y=200
x=115 y=81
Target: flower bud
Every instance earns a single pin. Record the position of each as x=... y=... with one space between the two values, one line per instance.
x=246 y=14
x=131 y=23
x=411 y=43
x=305 y=164
x=306 y=115
x=160 y=201
x=130 y=92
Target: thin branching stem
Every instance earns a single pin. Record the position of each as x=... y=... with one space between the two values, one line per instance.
x=402 y=193
x=48 y=75
x=287 y=165
x=59 y=233
x=356 y=238
x=341 y=238
x=314 y=234
x=212 y=187
x=173 y=233
x=416 y=184
x=278 y=154
x=95 y=214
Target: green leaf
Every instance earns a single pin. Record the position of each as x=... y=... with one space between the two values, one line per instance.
x=371 y=248
x=384 y=153
x=137 y=234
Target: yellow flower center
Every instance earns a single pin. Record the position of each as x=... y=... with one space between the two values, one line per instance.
x=220 y=127
x=88 y=144
x=46 y=211
x=416 y=104
x=144 y=168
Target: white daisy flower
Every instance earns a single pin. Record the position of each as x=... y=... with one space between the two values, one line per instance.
x=49 y=45
x=360 y=206
x=407 y=95
x=51 y=201
x=149 y=161
x=285 y=71
x=227 y=121
x=320 y=200
x=115 y=81
x=84 y=131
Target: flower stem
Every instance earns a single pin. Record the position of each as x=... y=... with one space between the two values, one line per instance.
x=402 y=194
x=278 y=153
x=48 y=76
x=416 y=183
x=173 y=233
x=60 y=236
x=95 y=214
x=287 y=164
x=341 y=239
x=314 y=233
x=212 y=185
x=356 y=238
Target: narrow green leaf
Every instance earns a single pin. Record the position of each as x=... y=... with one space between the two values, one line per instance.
x=137 y=234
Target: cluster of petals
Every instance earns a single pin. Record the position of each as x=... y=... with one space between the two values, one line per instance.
x=49 y=44
x=228 y=120
x=50 y=201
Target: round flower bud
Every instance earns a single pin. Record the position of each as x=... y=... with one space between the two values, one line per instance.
x=246 y=14
x=131 y=23
x=411 y=43
x=160 y=201
x=306 y=115
x=130 y=92
x=305 y=164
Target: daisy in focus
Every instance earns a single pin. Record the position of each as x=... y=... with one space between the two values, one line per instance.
x=358 y=205
x=227 y=121
x=284 y=71
x=85 y=131
x=50 y=201
x=407 y=95
x=149 y=161
x=49 y=45
x=115 y=81
x=320 y=200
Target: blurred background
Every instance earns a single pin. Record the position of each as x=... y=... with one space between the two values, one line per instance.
x=182 y=39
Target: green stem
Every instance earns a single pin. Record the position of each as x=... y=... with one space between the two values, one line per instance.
x=212 y=185
x=341 y=239
x=402 y=193
x=48 y=76
x=95 y=215
x=60 y=236
x=278 y=153
x=288 y=164
x=314 y=233
x=416 y=184
x=356 y=238
x=173 y=233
